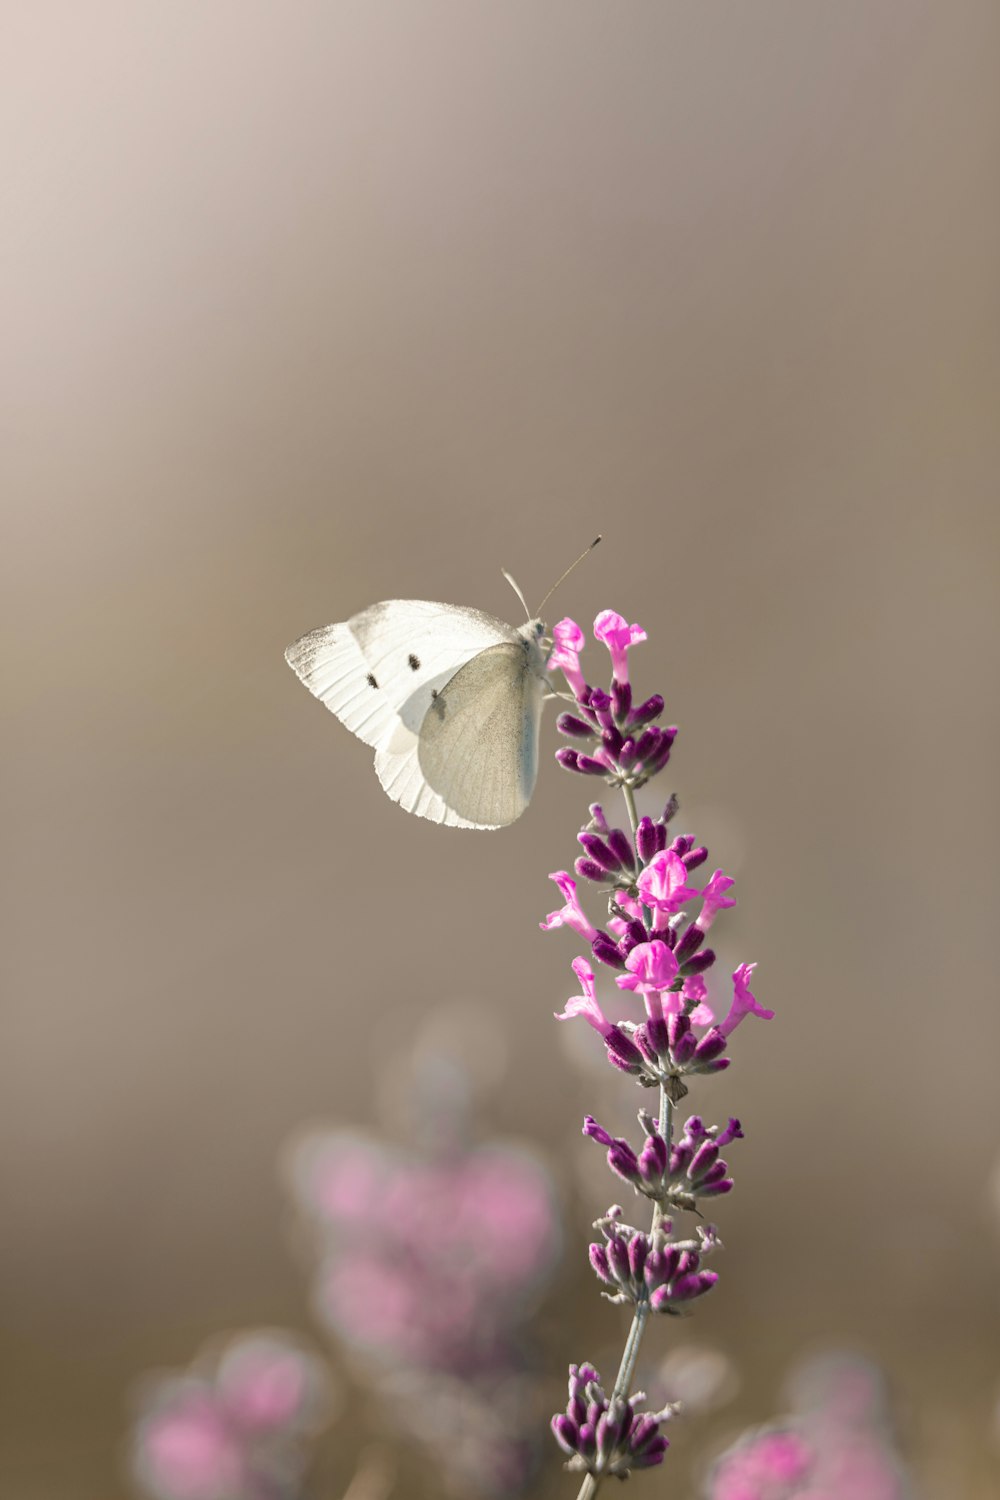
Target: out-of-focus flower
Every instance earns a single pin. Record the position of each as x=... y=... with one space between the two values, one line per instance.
x=699 y=1378
x=429 y=1263
x=236 y=1425
x=835 y=1445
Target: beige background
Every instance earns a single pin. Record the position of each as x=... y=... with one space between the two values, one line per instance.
x=308 y=305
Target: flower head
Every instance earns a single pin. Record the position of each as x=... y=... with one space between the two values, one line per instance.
x=655 y=942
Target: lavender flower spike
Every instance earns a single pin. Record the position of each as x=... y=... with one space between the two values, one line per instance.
x=657 y=948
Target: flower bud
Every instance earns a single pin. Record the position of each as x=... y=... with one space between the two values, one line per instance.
x=600 y=852
x=621 y=699
x=645 y=839
x=569 y=724
x=698 y=963
x=689 y=943
x=589 y=766
x=645 y=712
x=623 y=1052
x=621 y=846
x=606 y=951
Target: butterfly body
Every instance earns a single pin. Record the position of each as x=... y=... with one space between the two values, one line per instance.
x=450 y=698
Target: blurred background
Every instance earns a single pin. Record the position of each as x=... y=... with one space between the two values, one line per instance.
x=311 y=305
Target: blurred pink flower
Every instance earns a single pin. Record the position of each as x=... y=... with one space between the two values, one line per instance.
x=835 y=1446
x=264 y=1385
x=436 y=1260
x=235 y=1426
x=188 y=1451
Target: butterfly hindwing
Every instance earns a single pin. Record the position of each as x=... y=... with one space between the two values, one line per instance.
x=478 y=746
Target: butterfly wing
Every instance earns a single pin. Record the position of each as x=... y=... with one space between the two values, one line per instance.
x=478 y=746
x=449 y=697
x=379 y=670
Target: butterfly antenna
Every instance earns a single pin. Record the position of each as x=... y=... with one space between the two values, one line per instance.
x=565 y=575
x=517 y=591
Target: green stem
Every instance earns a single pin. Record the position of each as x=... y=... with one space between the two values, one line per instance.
x=630 y=1354
x=633 y=816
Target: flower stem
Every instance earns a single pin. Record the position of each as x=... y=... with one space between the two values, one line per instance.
x=630 y=1354
x=633 y=815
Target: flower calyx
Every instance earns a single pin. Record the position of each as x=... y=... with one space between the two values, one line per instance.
x=652 y=1268
x=673 y=1177
x=608 y=1435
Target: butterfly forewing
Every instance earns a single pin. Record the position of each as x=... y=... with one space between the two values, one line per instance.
x=378 y=671
x=478 y=745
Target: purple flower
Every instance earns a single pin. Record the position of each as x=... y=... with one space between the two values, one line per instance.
x=659 y=952
x=568 y=641
x=694 y=993
x=572 y=914
x=663 y=883
x=652 y=968
x=586 y=1005
x=714 y=899
x=621 y=1050
x=744 y=1001
x=617 y=635
x=632 y=909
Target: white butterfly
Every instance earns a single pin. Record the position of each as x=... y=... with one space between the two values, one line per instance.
x=450 y=698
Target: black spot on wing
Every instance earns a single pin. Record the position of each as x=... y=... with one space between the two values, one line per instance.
x=414 y=662
x=370 y=679
x=438 y=703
